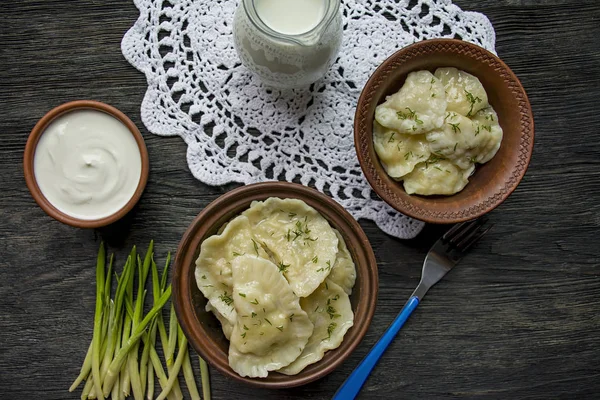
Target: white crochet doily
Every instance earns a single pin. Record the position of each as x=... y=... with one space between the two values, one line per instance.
x=237 y=130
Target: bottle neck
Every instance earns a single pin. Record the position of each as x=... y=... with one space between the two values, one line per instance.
x=258 y=13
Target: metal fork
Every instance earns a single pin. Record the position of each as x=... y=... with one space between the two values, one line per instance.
x=441 y=258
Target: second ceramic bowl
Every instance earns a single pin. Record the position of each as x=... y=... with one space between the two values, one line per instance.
x=202 y=328
x=492 y=182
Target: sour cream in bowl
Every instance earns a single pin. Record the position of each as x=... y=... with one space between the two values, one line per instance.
x=86 y=164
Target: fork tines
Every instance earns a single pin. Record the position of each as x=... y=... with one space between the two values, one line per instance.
x=463 y=236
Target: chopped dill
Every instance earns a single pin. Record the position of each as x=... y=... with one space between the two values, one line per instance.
x=332 y=312
x=330 y=330
x=471 y=99
x=455 y=127
x=225 y=298
x=283 y=267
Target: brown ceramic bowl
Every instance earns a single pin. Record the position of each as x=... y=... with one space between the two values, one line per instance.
x=202 y=328
x=28 y=166
x=492 y=182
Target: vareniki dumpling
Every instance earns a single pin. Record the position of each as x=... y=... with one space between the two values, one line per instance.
x=330 y=312
x=343 y=272
x=399 y=153
x=417 y=108
x=464 y=92
x=213 y=266
x=489 y=134
x=272 y=330
x=297 y=239
x=439 y=177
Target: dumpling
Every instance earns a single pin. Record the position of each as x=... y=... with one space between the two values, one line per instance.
x=330 y=312
x=489 y=134
x=271 y=330
x=417 y=108
x=399 y=153
x=464 y=92
x=465 y=141
x=343 y=272
x=213 y=266
x=297 y=239
x=225 y=324
x=456 y=141
x=439 y=177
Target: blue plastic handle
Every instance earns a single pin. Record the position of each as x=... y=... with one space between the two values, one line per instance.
x=357 y=378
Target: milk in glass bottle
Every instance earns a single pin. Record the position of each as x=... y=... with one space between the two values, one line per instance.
x=288 y=43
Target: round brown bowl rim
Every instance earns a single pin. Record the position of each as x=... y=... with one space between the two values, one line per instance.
x=405 y=207
x=29 y=171
x=237 y=200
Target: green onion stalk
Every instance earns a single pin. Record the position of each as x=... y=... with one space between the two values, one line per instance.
x=111 y=366
x=97 y=337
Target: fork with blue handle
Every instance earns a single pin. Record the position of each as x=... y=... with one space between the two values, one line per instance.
x=441 y=258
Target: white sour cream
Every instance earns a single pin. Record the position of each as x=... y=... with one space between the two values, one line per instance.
x=87 y=164
x=290 y=17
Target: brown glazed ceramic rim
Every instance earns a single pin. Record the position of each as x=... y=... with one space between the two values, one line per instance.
x=28 y=164
x=205 y=339
x=393 y=193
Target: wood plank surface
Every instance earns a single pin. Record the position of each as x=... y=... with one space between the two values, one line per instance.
x=518 y=319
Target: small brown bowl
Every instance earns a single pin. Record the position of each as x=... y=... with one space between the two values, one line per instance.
x=28 y=163
x=492 y=182
x=202 y=328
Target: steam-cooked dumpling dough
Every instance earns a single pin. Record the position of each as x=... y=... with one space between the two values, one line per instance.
x=271 y=330
x=489 y=134
x=399 y=153
x=440 y=177
x=225 y=324
x=213 y=266
x=465 y=141
x=457 y=140
x=464 y=92
x=330 y=312
x=297 y=238
x=343 y=272
x=417 y=108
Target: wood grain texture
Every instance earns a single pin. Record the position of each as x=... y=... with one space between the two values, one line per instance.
x=519 y=318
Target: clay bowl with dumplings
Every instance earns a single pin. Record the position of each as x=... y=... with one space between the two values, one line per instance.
x=491 y=183
x=204 y=331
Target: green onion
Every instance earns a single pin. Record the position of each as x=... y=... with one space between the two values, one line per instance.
x=121 y=356
x=97 y=337
x=205 y=379
x=174 y=372
x=188 y=373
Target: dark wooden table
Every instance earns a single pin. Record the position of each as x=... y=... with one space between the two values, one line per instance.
x=520 y=317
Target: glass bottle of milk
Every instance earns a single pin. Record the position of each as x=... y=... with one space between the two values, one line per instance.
x=288 y=43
